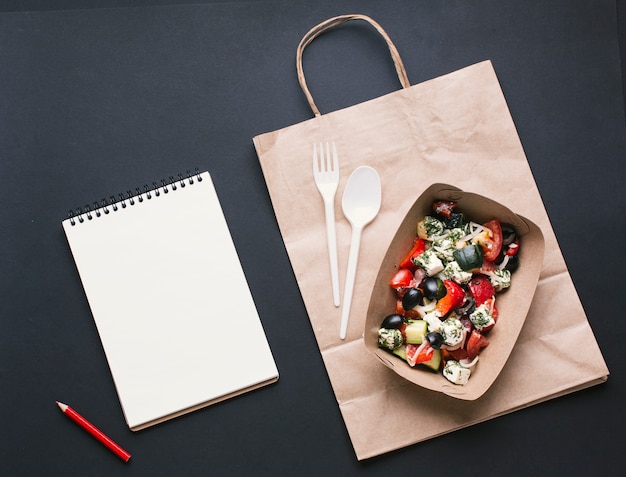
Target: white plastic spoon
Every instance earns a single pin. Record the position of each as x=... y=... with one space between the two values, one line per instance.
x=360 y=203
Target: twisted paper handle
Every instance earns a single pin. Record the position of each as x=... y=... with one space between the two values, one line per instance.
x=332 y=23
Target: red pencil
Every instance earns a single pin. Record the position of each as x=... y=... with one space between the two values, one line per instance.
x=94 y=431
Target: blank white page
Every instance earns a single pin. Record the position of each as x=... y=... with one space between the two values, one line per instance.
x=170 y=301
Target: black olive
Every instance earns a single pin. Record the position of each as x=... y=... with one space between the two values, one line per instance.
x=434 y=289
x=508 y=234
x=411 y=298
x=455 y=221
x=467 y=307
x=512 y=263
x=392 y=322
x=435 y=339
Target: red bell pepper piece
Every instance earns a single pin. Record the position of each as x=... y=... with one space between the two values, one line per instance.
x=453 y=299
x=419 y=245
x=513 y=248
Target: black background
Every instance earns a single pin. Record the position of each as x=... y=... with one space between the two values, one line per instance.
x=97 y=97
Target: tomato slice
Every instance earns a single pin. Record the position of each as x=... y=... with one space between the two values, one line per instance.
x=491 y=246
x=416 y=354
x=475 y=343
x=419 y=245
x=481 y=289
x=488 y=267
x=459 y=354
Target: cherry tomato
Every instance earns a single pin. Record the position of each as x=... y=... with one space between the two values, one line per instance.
x=419 y=245
x=481 y=289
x=444 y=208
x=402 y=280
x=475 y=343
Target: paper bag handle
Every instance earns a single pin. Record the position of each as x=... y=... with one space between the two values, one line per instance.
x=332 y=23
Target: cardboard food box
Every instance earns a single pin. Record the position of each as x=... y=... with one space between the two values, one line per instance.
x=512 y=303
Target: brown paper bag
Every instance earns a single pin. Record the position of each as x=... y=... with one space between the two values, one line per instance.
x=455 y=129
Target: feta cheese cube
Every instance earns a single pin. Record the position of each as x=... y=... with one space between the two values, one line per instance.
x=456 y=373
x=389 y=338
x=452 y=331
x=453 y=271
x=481 y=317
x=500 y=279
x=429 y=262
x=434 y=323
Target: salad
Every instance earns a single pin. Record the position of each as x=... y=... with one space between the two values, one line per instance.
x=446 y=290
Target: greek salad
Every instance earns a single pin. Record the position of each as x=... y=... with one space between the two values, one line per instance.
x=446 y=289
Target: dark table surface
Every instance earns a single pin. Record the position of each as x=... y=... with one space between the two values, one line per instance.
x=97 y=97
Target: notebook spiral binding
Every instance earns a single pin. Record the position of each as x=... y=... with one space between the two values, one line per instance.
x=130 y=198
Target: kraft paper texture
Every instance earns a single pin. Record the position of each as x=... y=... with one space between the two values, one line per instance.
x=455 y=129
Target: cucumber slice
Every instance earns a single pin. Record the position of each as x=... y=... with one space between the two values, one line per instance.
x=400 y=352
x=416 y=331
x=469 y=257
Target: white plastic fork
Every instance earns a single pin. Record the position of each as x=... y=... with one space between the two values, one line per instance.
x=326 y=174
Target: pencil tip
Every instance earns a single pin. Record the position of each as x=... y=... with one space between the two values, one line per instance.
x=62 y=406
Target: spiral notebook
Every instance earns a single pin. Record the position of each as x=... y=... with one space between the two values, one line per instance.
x=170 y=300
